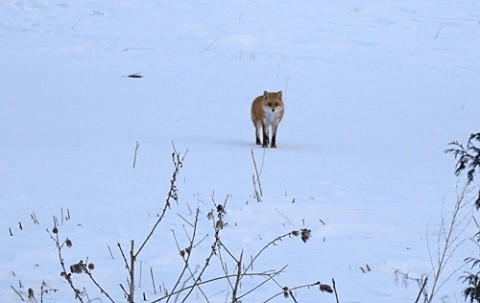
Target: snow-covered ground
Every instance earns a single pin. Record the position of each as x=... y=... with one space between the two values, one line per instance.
x=374 y=92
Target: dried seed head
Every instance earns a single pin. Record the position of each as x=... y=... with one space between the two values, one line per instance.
x=68 y=242
x=220 y=209
x=326 y=288
x=55 y=230
x=210 y=216
x=182 y=253
x=188 y=250
x=91 y=266
x=31 y=295
x=74 y=268
x=306 y=234
x=220 y=224
x=295 y=233
x=285 y=292
x=77 y=268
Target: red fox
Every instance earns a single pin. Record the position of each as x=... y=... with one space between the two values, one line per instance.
x=267 y=110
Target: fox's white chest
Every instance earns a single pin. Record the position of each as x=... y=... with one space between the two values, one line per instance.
x=271 y=117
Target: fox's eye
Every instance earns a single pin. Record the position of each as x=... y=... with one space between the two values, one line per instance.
x=270 y=104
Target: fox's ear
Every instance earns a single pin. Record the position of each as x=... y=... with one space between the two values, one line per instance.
x=279 y=93
x=265 y=94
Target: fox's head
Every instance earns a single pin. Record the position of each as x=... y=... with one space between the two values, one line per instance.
x=273 y=101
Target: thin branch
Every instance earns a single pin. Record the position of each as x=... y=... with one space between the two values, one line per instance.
x=199 y=283
x=186 y=254
x=133 y=259
x=102 y=290
x=172 y=195
x=237 y=281
x=207 y=260
x=335 y=290
x=424 y=284
x=186 y=221
x=257 y=172
x=448 y=242
x=67 y=276
x=224 y=264
x=124 y=257
x=270 y=277
x=137 y=145
x=264 y=248
x=16 y=291
x=291 y=289
x=153 y=281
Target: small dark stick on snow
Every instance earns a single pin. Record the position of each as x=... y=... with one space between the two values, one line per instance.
x=137 y=145
x=135 y=76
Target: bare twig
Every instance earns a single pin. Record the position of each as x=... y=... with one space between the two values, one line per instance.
x=16 y=291
x=102 y=290
x=140 y=275
x=153 y=281
x=335 y=290
x=125 y=293
x=238 y=279
x=270 y=276
x=76 y=22
x=257 y=195
x=448 y=242
x=124 y=257
x=186 y=221
x=258 y=172
x=199 y=283
x=131 y=294
x=424 y=284
x=210 y=44
x=110 y=251
x=172 y=195
x=279 y=238
x=137 y=145
x=217 y=227
x=186 y=253
x=34 y=218
x=224 y=264
x=42 y=291
x=289 y=290
x=67 y=276
x=285 y=217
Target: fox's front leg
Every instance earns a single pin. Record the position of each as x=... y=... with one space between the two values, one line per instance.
x=274 y=135
x=266 y=139
x=258 y=127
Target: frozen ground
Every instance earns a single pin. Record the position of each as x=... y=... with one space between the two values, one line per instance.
x=374 y=91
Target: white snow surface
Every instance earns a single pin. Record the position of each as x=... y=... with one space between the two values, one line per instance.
x=374 y=92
